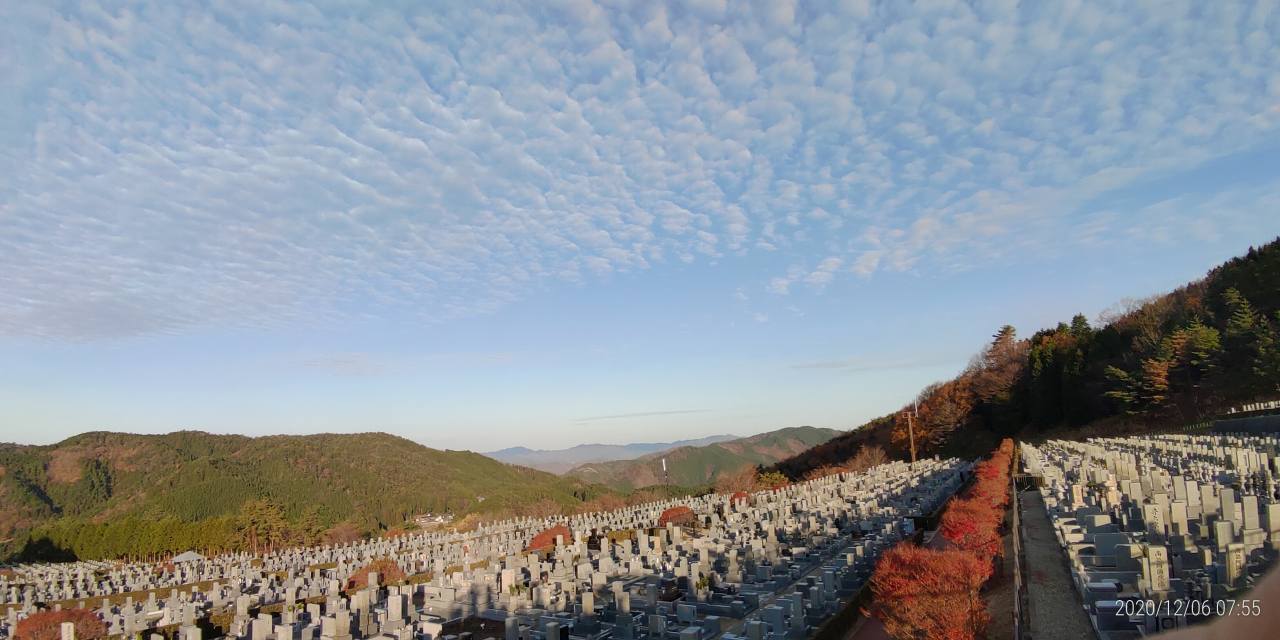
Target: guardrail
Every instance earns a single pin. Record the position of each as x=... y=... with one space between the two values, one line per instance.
x=1019 y=585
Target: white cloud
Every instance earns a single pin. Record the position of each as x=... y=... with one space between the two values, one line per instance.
x=824 y=272
x=170 y=168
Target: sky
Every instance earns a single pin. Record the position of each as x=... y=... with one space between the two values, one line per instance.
x=481 y=225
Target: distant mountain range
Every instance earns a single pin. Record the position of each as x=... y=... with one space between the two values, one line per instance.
x=562 y=460
x=693 y=466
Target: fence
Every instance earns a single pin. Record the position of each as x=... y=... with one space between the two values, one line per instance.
x=1019 y=584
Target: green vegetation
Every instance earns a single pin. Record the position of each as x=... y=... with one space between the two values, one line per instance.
x=1164 y=362
x=111 y=495
x=703 y=466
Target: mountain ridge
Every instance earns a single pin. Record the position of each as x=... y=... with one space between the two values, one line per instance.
x=700 y=466
x=562 y=460
x=191 y=486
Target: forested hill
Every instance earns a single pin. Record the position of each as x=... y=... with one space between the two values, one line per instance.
x=1167 y=361
x=106 y=494
x=701 y=466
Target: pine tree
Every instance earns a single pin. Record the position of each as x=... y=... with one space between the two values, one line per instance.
x=1080 y=326
x=1266 y=363
x=1242 y=320
x=1123 y=389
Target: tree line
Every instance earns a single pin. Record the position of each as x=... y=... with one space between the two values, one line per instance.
x=1166 y=361
x=1172 y=359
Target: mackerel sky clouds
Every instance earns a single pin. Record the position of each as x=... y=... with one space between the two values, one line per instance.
x=433 y=217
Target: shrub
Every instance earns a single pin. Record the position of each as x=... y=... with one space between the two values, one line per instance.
x=681 y=516
x=923 y=593
x=547 y=539
x=973 y=525
x=387 y=569
x=772 y=480
x=926 y=593
x=47 y=625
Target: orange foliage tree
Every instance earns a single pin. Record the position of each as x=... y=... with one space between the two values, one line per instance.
x=972 y=522
x=744 y=479
x=822 y=472
x=972 y=525
x=867 y=457
x=925 y=593
x=47 y=625
x=938 y=411
x=388 y=572
x=395 y=532
x=342 y=533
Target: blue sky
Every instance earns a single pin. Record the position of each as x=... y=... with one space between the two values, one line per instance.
x=479 y=225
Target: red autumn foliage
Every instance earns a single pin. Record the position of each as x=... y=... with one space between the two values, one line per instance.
x=926 y=593
x=972 y=525
x=388 y=573
x=986 y=470
x=972 y=522
x=740 y=496
x=547 y=539
x=47 y=625
x=681 y=516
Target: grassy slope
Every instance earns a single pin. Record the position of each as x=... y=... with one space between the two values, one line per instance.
x=698 y=466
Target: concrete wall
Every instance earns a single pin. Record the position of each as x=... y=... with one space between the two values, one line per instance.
x=1253 y=424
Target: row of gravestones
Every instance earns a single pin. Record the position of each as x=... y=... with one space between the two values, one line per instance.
x=814 y=541
x=1160 y=531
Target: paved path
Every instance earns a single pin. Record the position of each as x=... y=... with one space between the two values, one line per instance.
x=1053 y=607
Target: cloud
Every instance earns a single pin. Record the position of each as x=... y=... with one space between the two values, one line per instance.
x=371 y=364
x=824 y=272
x=642 y=414
x=173 y=168
x=347 y=364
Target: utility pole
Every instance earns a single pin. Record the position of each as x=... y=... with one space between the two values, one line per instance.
x=911 y=428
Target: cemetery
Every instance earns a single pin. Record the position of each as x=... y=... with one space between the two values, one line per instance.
x=1161 y=531
x=772 y=565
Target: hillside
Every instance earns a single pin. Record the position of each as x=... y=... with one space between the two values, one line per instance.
x=1165 y=362
x=562 y=460
x=191 y=488
x=700 y=466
